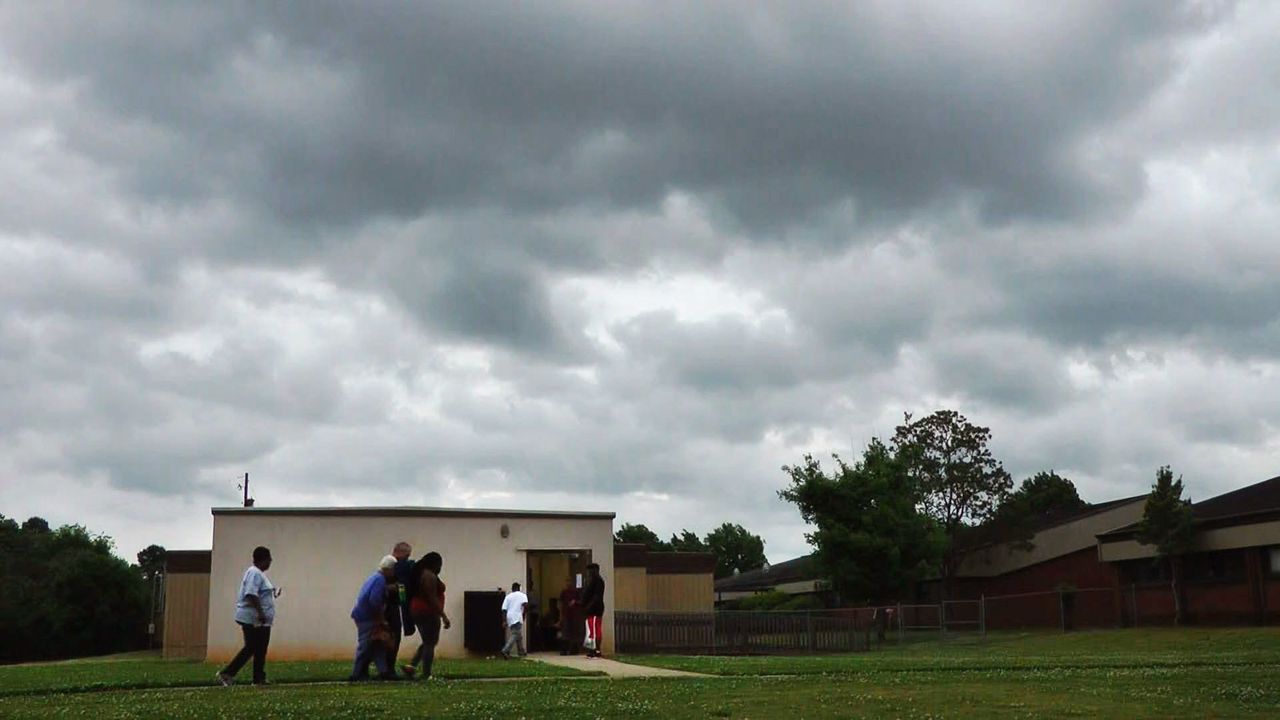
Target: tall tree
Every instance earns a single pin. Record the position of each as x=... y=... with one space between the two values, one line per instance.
x=870 y=539
x=151 y=562
x=735 y=549
x=687 y=541
x=629 y=533
x=1167 y=523
x=960 y=481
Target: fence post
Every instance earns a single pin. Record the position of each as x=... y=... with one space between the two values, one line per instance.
x=982 y=615
x=1062 y=611
x=901 y=636
x=810 y=639
x=942 y=618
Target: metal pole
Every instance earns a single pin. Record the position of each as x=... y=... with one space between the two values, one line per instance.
x=901 y=636
x=1062 y=611
x=982 y=615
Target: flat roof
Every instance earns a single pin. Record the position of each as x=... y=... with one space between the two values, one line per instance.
x=413 y=511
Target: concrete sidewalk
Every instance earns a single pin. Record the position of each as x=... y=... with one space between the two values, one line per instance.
x=611 y=668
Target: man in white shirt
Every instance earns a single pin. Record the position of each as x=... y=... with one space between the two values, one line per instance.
x=255 y=612
x=514 y=606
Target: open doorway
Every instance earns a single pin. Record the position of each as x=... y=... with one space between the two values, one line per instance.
x=548 y=574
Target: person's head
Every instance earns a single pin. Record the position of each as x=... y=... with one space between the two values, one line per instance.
x=515 y=586
x=388 y=566
x=262 y=558
x=402 y=551
x=593 y=570
x=433 y=562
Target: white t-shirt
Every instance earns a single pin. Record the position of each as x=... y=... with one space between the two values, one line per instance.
x=513 y=605
x=255 y=583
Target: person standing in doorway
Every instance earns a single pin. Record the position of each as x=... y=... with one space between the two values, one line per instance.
x=514 y=607
x=427 y=606
x=372 y=637
x=593 y=608
x=255 y=613
x=399 y=622
x=571 y=618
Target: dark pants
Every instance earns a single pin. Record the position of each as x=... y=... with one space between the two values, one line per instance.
x=429 y=631
x=393 y=652
x=256 y=640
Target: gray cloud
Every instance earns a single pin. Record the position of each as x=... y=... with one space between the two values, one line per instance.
x=626 y=257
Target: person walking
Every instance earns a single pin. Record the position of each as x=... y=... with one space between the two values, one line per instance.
x=593 y=608
x=255 y=613
x=372 y=637
x=399 y=622
x=514 y=607
x=427 y=608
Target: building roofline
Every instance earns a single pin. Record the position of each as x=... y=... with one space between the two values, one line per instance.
x=1094 y=509
x=412 y=511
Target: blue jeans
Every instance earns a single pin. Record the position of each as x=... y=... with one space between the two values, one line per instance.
x=515 y=639
x=367 y=652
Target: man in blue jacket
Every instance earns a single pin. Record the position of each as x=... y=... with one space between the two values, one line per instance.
x=399 y=621
x=372 y=635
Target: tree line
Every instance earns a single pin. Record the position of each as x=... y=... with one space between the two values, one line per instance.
x=66 y=594
x=736 y=549
x=907 y=509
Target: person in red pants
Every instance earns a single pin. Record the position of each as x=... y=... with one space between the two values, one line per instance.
x=593 y=608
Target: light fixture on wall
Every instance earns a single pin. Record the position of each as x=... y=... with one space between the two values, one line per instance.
x=504 y=531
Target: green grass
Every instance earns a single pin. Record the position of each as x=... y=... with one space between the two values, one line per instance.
x=1081 y=693
x=83 y=676
x=1146 y=648
x=1125 y=674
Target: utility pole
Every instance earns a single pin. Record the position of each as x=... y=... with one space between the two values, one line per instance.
x=248 y=501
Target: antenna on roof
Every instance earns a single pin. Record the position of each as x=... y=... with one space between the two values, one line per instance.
x=248 y=501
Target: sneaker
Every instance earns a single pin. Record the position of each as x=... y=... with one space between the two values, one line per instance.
x=224 y=679
x=506 y=655
x=409 y=671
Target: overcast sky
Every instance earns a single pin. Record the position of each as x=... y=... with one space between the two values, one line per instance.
x=631 y=257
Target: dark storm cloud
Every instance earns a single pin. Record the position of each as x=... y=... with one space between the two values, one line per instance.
x=323 y=114
x=494 y=253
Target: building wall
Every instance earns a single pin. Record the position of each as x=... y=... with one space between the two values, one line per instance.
x=631 y=591
x=681 y=593
x=1049 y=544
x=1262 y=534
x=186 y=615
x=321 y=560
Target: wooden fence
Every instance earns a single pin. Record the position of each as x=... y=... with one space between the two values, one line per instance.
x=742 y=633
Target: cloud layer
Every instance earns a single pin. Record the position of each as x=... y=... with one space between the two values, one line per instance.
x=632 y=257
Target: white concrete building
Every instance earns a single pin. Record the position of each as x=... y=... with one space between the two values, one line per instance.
x=322 y=555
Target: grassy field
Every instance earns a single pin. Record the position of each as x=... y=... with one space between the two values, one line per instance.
x=1126 y=674
x=148 y=672
x=1143 y=648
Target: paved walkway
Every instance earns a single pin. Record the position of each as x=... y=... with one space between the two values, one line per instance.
x=612 y=668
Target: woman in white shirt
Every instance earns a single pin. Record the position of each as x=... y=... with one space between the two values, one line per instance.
x=255 y=612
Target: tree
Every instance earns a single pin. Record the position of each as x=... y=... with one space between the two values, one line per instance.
x=36 y=525
x=687 y=541
x=151 y=562
x=870 y=539
x=1167 y=523
x=1042 y=498
x=959 y=480
x=735 y=549
x=629 y=533
x=66 y=594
